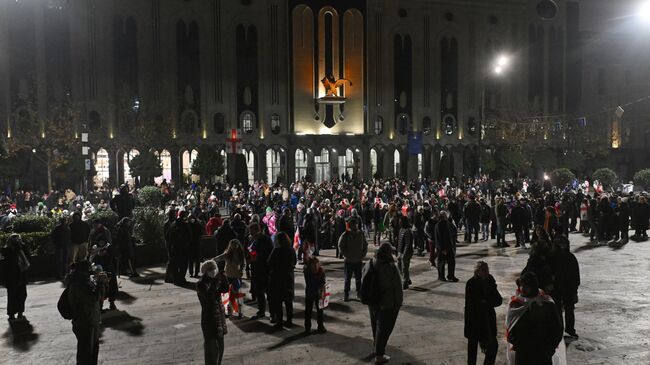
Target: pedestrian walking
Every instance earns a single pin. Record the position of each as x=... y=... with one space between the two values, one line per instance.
x=481 y=297
x=15 y=264
x=213 y=321
x=353 y=247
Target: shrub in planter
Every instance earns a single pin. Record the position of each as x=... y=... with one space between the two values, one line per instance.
x=642 y=178
x=109 y=218
x=148 y=226
x=561 y=177
x=150 y=196
x=34 y=243
x=31 y=223
x=605 y=176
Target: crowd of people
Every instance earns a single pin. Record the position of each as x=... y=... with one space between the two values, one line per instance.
x=263 y=232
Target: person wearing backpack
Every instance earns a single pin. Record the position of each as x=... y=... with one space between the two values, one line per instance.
x=83 y=305
x=353 y=247
x=382 y=291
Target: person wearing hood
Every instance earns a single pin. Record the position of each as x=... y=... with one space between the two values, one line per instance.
x=84 y=299
x=14 y=263
x=213 y=321
x=388 y=297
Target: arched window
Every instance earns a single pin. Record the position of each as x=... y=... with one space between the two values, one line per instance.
x=396 y=163
x=247 y=122
x=403 y=123
x=166 y=162
x=128 y=156
x=187 y=162
x=322 y=163
x=101 y=166
x=471 y=126
x=449 y=124
x=426 y=126
x=94 y=121
x=373 y=162
x=346 y=163
x=301 y=164
x=272 y=165
x=218 y=123
x=250 y=165
x=224 y=157
x=275 y=124
x=379 y=125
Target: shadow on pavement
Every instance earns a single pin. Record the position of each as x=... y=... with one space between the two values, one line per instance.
x=122 y=321
x=125 y=297
x=21 y=334
x=433 y=312
x=149 y=277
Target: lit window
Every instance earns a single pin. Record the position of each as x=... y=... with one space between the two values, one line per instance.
x=275 y=124
x=379 y=125
x=247 y=121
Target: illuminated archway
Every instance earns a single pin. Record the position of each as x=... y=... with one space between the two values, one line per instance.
x=101 y=162
x=128 y=156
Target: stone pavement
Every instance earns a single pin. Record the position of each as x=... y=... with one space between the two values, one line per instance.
x=158 y=323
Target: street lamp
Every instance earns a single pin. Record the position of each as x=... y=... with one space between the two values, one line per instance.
x=498 y=66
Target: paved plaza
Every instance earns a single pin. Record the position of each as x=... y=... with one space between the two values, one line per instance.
x=158 y=323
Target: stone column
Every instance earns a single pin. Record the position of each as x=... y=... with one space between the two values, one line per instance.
x=412 y=165
x=5 y=89
x=261 y=166
x=458 y=163
x=389 y=164
x=177 y=173
x=426 y=162
x=290 y=158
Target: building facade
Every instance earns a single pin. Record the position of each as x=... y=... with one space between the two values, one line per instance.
x=193 y=70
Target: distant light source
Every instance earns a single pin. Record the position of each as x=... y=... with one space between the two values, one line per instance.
x=503 y=61
x=644 y=11
x=33 y=150
x=546 y=178
x=498 y=70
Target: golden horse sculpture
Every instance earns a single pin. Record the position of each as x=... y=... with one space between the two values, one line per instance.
x=331 y=85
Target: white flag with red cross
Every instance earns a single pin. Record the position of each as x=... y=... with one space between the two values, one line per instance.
x=234 y=143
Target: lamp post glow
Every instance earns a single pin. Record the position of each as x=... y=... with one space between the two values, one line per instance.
x=500 y=64
x=643 y=12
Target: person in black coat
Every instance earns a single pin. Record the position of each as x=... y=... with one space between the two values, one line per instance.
x=285 y=223
x=641 y=218
x=179 y=234
x=123 y=203
x=518 y=219
x=61 y=240
x=258 y=254
x=481 y=297
x=623 y=219
x=14 y=263
x=568 y=282
x=445 y=248
x=194 y=245
x=472 y=218
x=282 y=261
x=126 y=245
x=170 y=269
x=223 y=236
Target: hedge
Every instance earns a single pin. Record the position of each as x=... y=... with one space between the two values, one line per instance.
x=605 y=176
x=642 y=178
x=31 y=223
x=35 y=243
x=150 y=196
x=562 y=177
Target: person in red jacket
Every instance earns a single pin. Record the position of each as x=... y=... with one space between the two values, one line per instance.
x=213 y=224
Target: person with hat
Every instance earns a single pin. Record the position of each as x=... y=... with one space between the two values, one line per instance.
x=353 y=247
x=84 y=301
x=213 y=319
x=14 y=263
